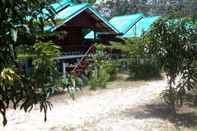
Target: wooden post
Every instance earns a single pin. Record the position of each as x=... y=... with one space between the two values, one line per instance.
x=94 y=34
x=65 y=65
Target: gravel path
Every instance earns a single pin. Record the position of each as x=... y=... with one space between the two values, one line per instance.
x=105 y=110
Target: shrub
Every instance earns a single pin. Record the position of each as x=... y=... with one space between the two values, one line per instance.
x=71 y=84
x=102 y=70
x=144 y=71
x=100 y=76
x=136 y=61
x=111 y=68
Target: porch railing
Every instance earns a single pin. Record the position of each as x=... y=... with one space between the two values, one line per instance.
x=77 y=67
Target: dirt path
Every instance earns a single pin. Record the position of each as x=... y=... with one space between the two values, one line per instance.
x=106 y=110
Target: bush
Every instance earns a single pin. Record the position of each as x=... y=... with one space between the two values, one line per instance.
x=102 y=70
x=71 y=84
x=100 y=76
x=144 y=71
x=111 y=68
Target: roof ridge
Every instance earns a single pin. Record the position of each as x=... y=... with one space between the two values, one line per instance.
x=126 y=21
x=105 y=20
x=128 y=15
x=85 y=5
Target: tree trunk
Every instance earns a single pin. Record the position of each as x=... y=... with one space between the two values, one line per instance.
x=172 y=98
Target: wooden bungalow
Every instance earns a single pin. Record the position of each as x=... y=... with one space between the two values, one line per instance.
x=81 y=26
x=74 y=21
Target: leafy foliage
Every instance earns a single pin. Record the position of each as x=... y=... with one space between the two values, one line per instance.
x=132 y=47
x=102 y=70
x=71 y=84
x=21 y=26
x=8 y=79
x=136 y=60
x=173 y=43
x=91 y=1
x=45 y=72
x=148 y=7
x=144 y=69
x=25 y=89
x=99 y=77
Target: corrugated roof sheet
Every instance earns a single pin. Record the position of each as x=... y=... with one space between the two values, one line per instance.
x=67 y=14
x=124 y=23
x=90 y=35
x=141 y=27
x=73 y=10
x=56 y=6
x=59 y=5
x=121 y=23
x=103 y=19
x=133 y=25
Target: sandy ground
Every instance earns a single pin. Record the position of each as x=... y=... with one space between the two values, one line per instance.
x=120 y=108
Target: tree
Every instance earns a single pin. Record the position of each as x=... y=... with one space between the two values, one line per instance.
x=21 y=24
x=89 y=1
x=148 y=7
x=173 y=43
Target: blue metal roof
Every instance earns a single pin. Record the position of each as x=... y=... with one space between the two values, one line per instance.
x=73 y=10
x=103 y=19
x=121 y=23
x=124 y=23
x=59 y=5
x=90 y=35
x=67 y=14
x=141 y=27
x=129 y=25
